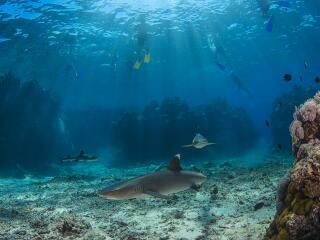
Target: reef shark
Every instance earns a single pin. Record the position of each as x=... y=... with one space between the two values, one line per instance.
x=199 y=142
x=82 y=157
x=158 y=184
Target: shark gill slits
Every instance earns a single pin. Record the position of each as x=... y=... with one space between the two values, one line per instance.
x=139 y=188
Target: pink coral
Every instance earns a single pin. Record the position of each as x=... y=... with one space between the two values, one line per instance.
x=296 y=130
x=303 y=151
x=302 y=189
x=308 y=112
x=317 y=98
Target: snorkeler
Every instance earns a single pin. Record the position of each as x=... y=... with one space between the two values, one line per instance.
x=82 y=157
x=220 y=57
x=223 y=62
x=264 y=6
x=142 y=53
x=240 y=85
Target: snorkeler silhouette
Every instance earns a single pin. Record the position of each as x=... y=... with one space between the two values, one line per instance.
x=223 y=62
x=142 y=53
x=82 y=157
x=264 y=6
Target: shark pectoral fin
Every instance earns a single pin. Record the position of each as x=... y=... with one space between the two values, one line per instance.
x=156 y=194
x=184 y=146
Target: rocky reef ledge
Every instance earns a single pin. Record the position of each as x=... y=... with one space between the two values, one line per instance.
x=298 y=206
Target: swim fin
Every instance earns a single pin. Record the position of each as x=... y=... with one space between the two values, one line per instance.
x=270 y=24
x=137 y=65
x=147 y=58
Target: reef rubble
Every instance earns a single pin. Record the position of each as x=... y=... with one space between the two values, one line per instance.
x=298 y=211
x=236 y=202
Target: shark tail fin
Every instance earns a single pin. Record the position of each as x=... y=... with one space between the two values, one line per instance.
x=185 y=146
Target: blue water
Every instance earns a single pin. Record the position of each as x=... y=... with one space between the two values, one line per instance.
x=83 y=55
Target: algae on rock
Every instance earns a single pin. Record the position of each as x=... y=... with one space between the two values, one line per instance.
x=298 y=216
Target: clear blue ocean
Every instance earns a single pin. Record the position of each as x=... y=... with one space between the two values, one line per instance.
x=95 y=93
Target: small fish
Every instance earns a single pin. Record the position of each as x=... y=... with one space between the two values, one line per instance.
x=278 y=106
x=317 y=79
x=270 y=23
x=267 y=123
x=199 y=142
x=301 y=78
x=287 y=77
x=221 y=66
x=306 y=64
x=279 y=146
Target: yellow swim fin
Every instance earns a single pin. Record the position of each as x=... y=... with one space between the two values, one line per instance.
x=137 y=65
x=147 y=58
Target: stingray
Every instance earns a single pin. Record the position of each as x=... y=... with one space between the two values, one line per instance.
x=158 y=184
x=199 y=142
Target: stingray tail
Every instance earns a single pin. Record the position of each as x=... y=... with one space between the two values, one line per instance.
x=211 y=143
x=185 y=146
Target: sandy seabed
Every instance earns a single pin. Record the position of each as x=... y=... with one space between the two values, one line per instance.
x=236 y=203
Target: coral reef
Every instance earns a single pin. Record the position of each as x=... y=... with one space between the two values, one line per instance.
x=161 y=128
x=29 y=125
x=298 y=214
x=282 y=109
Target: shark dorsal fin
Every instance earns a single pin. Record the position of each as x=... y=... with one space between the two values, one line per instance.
x=175 y=164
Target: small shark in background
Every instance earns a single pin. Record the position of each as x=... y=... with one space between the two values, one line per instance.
x=158 y=184
x=82 y=157
x=199 y=142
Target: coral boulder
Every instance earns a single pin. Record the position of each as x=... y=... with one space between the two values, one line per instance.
x=298 y=212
